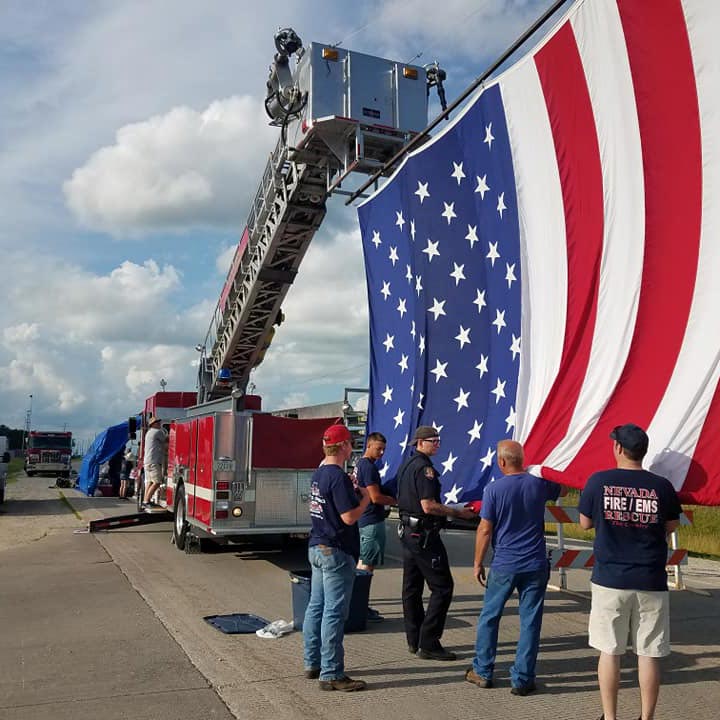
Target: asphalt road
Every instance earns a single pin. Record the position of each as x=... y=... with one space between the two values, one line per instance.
x=122 y=613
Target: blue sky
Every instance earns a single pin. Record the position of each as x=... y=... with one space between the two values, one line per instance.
x=114 y=114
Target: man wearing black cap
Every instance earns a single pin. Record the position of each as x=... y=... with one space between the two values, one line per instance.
x=632 y=511
x=424 y=556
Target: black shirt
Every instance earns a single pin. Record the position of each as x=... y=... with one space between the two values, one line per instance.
x=417 y=480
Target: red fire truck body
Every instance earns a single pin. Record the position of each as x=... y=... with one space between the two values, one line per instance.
x=235 y=472
x=48 y=452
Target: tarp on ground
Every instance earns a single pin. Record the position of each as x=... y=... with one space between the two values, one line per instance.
x=105 y=445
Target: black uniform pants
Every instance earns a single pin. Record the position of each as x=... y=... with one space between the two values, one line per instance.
x=425 y=565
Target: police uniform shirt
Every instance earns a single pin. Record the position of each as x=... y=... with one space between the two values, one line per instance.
x=417 y=480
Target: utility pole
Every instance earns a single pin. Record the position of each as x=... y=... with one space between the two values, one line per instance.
x=28 y=421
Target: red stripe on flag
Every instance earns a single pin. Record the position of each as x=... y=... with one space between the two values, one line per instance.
x=576 y=146
x=667 y=106
x=697 y=488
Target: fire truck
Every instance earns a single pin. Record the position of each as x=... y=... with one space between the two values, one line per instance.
x=48 y=453
x=233 y=470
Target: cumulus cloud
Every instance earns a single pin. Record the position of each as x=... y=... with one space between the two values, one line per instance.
x=178 y=170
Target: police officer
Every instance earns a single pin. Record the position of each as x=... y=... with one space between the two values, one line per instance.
x=425 y=559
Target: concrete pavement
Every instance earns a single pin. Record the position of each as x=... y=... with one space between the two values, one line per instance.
x=64 y=655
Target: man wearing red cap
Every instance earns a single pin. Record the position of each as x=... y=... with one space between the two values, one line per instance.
x=333 y=552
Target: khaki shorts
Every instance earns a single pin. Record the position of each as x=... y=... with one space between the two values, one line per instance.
x=642 y=616
x=153 y=474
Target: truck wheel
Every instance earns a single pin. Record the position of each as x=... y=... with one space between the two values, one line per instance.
x=180 y=525
x=29 y=473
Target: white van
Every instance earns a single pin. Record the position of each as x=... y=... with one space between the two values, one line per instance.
x=4 y=460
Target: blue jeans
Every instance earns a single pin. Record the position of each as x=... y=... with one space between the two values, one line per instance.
x=333 y=575
x=531 y=588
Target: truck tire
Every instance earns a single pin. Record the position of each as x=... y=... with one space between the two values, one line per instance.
x=29 y=473
x=180 y=524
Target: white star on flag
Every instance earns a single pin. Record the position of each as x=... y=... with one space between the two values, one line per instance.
x=510 y=274
x=422 y=191
x=393 y=255
x=462 y=399
x=501 y=203
x=472 y=235
x=453 y=495
x=399 y=418
x=376 y=239
x=385 y=292
x=482 y=365
x=408 y=273
x=412 y=329
x=515 y=347
x=387 y=395
x=403 y=443
x=449 y=212
x=412 y=229
x=482 y=186
x=400 y=219
x=458 y=273
x=418 y=284
x=480 y=300
x=457 y=172
x=439 y=371
x=499 y=390
x=431 y=250
x=499 y=321
x=403 y=364
x=438 y=428
x=420 y=405
x=438 y=308
x=488 y=136
x=463 y=337
x=474 y=431
x=402 y=306
x=487 y=461
x=511 y=419
x=448 y=464
x=493 y=253
x=383 y=471
x=421 y=345
x=389 y=342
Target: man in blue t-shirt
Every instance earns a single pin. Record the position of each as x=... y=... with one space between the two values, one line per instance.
x=513 y=517
x=333 y=551
x=372 y=522
x=632 y=511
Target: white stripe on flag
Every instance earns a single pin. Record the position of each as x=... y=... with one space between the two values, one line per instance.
x=680 y=417
x=542 y=240
x=599 y=36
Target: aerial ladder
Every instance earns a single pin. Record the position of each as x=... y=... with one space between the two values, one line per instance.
x=339 y=112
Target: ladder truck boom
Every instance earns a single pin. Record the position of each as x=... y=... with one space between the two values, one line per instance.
x=339 y=112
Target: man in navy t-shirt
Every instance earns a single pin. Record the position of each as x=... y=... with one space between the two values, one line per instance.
x=372 y=522
x=513 y=517
x=632 y=511
x=333 y=551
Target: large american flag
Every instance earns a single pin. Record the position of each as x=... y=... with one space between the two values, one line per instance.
x=548 y=267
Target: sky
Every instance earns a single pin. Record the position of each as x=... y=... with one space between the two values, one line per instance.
x=132 y=139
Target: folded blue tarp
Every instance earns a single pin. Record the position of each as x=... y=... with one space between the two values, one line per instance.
x=105 y=445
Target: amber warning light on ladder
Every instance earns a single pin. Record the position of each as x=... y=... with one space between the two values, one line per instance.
x=410 y=73
x=329 y=54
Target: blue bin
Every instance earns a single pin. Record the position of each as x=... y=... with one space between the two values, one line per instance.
x=357 y=618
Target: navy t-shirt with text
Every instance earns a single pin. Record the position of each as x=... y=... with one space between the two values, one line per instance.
x=515 y=505
x=367 y=474
x=331 y=494
x=629 y=509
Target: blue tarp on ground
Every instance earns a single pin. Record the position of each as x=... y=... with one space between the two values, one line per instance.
x=105 y=445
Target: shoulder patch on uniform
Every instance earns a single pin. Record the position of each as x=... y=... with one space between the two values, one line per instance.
x=429 y=472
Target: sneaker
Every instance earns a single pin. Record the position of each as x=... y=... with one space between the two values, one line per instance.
x=437 y=653
x=312 y=673
x=523 y=690
x=374 y=616
x=472 y=677
x=343 y=684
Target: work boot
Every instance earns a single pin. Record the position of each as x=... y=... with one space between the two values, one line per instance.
x=343 y=684
x=437 y=653
x=472 y=677
x=312 y=673
x=523 y=690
